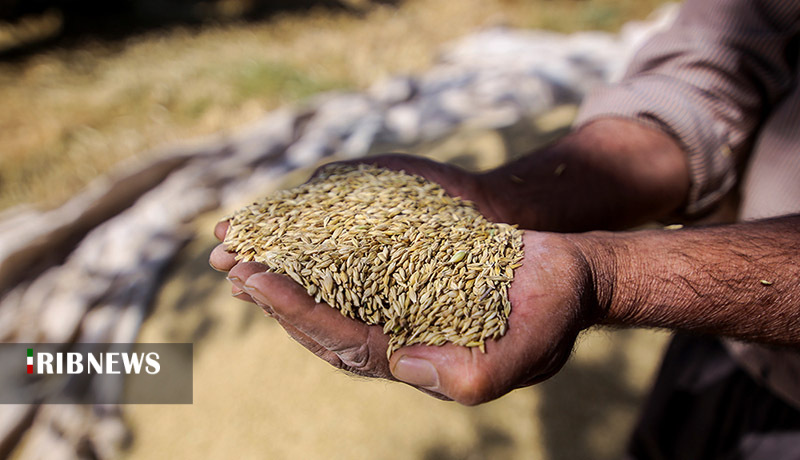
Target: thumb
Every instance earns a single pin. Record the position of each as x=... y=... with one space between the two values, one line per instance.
x=458 y=373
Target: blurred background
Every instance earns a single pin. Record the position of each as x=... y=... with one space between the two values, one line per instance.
x=89 y=85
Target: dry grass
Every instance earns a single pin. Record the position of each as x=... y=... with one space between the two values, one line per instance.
x=71 y=114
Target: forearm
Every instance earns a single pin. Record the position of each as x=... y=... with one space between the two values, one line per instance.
x=738 y=281
x=610 y=174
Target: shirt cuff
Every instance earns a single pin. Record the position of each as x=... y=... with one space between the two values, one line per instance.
x=662 y=103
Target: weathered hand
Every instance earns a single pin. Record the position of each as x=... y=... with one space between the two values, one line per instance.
x=551 y=298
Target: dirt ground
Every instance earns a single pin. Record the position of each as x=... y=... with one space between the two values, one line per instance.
x=73 y=111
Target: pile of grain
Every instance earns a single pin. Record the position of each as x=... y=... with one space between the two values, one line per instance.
x=387 y=248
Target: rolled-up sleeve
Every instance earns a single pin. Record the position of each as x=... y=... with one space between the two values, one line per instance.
x=709 y=81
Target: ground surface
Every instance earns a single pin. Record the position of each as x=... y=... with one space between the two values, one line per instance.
x=73 y=111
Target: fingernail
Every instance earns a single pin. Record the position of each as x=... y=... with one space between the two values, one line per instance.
x=258 y=296
x=417 y=372
x=234 y=279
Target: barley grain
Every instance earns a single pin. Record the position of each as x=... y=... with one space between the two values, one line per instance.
x=387 y=248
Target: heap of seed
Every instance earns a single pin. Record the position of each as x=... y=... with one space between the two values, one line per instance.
x=387 y=248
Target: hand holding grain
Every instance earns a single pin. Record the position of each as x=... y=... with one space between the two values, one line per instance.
x=544 y=321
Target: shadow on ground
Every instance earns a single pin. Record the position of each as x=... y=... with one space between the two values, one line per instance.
x=584 y=412
x=579 y=403
x=490 y=443
x=195 y=317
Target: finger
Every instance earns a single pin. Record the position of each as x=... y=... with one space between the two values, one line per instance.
x=220 y=259
x=317 y=320
x=221 y=229
x=359 y=346
x=244 y=270
x=312 y=346
x=239 y=294
x=463 y=374
x=237 y=277
x=439 y=370
x=466 y=375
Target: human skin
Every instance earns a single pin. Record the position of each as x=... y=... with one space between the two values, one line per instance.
x=736 y=281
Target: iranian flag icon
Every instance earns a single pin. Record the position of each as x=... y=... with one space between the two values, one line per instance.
x=30 y=360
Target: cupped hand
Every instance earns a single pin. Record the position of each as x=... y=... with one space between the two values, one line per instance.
x=551 y=298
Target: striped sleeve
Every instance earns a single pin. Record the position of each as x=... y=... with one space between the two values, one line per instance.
x=709 y=81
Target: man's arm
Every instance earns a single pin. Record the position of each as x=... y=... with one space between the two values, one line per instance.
x=740 y=281
x=609 y=174
x=709 y=82
x=735 y=280
x=669 y=138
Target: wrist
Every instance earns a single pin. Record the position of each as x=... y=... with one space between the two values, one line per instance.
x=600 y=253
